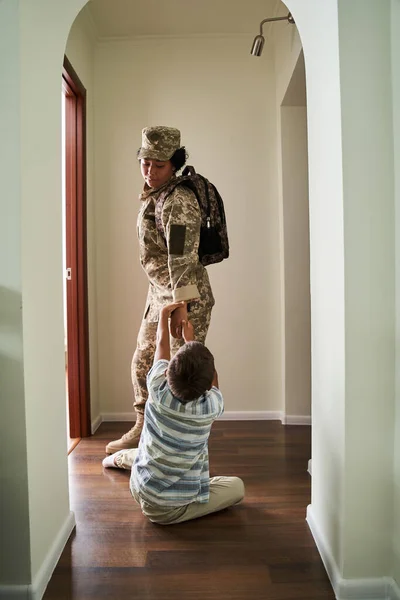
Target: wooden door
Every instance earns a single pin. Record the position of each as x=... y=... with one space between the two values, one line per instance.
x=76 y=254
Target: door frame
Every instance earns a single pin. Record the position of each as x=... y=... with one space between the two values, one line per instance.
x=76 y=255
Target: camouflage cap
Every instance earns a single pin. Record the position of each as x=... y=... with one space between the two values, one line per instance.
x=159 y=143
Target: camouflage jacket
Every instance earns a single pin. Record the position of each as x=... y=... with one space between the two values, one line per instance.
x=172 y=266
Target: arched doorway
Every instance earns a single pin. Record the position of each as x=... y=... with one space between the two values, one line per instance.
x=38 y=147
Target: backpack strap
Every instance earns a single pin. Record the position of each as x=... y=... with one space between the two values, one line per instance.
x=188 y=171
x=159 y=207
x=186 y=180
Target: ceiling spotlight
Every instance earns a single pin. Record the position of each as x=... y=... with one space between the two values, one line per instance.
x=259 y=40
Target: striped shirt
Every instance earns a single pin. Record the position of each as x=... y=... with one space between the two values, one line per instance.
x=171 y=466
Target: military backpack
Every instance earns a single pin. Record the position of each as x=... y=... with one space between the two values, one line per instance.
x=214 y=245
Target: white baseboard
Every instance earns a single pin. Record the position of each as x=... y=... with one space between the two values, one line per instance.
x=251 y=415
x=36 y=590
x=323 y=549
x=383 y=588
x=96 y=424
x=50 y=562
x=229 y=415
x=245 y=415
x=14 y=592
x=296 y=420
x=117 y=416
x=394 y=590
x=378 y=588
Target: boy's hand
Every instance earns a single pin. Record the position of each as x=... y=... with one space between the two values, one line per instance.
x=179 y=315
x=163 y=349
x=187 y=331
x=167 y=310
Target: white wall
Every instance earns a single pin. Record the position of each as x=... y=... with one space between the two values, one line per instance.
x=319 y=36
x=38 y=521
x=222 y=100
x=367 y=140
x=14 y=513
x=395 y=24
x=80 y=52
x=318 y=29
x=41 y=256
x=352 y=292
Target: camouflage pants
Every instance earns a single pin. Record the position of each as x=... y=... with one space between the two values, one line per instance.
x=199 y=316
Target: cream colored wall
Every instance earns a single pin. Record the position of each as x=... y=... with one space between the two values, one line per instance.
x=80 y=52
x=292 y=170
x=287 y=48
x=14 y=501
x=395 y=24
x=297 y=342
x=222 y=99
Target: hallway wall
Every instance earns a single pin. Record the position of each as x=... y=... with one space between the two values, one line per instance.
x=34 y=524
x=368 y=201
x=41 y=258
x=320 y=45
x=342 y=458
x=14 y=513
x=222 y=100
x=296 y=256
x=395 y=24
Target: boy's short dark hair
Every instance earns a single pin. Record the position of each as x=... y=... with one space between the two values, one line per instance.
x=191 y=371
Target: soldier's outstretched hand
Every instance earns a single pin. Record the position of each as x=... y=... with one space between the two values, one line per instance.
x=187 y=331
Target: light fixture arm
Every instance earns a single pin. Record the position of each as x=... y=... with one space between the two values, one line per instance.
x=288 y=18
x=259 y=40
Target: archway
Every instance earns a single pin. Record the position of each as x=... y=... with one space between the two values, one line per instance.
x=33 y=181
x=324 y=247
x=41 y=254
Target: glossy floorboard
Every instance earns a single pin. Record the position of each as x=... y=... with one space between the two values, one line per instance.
x=261 y=549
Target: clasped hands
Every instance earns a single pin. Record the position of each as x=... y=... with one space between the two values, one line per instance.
x=179 y=326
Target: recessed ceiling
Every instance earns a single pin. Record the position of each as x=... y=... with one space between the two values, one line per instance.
x=128 y=18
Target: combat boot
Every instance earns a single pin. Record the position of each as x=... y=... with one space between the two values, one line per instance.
x=129 y=439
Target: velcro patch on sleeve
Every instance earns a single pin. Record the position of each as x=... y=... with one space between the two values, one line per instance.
x=177 y=236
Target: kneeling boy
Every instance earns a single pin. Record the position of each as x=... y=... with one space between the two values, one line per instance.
x=170 y=473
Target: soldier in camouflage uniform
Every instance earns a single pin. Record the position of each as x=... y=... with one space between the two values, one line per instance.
x=172 y=265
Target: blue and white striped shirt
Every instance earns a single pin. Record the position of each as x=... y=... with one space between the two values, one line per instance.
x=171 y=466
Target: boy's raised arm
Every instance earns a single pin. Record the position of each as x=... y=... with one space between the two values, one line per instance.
x=163 y=350
x=188 y=336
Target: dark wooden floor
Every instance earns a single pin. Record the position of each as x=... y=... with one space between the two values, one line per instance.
x=259 y=550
